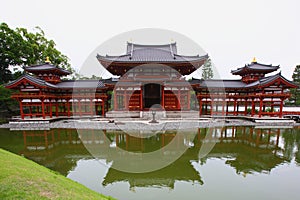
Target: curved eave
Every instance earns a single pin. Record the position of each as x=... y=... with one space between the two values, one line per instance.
x=276 y=78
x=33 y=81
x=189 y=60
x=54 y=71
x=247 y=69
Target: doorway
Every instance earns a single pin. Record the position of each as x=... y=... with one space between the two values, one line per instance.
x=151 y=94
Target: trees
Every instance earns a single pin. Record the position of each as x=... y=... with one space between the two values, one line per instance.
x=21 y=48
x=295 y=99
x=207 y=71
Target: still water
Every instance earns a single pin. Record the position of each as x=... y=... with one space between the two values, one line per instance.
x=242 y=163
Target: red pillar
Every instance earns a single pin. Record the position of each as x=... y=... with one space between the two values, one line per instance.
x=21 y=109
x=125 y=101
x=223 y=106
x=228 y=102
x=103 y=113
x=246 y=106
x=79 y=107
x=211 y=106
x=68 y=107
x=163 y=96
x=91 y=106
x=50 y=108
x=179 y=99
x=30 y=111
x=234 y=107
x=43 y=109
x=253 y=108
x=141 y=98
x=189 y=100
x=200 y=106
x=281 y=106
x=115 y=100
x=56 y=108
x=260 y=106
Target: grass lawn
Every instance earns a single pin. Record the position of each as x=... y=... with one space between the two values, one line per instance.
x=24 y=179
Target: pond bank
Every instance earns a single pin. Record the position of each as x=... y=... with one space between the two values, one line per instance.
x=24 y=179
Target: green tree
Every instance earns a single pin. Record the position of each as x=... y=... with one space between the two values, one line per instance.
x=8 y=106
x=22 y=48
x=295 y=98
x=207 y=71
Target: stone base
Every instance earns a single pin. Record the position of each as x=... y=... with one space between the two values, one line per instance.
x=148 y=114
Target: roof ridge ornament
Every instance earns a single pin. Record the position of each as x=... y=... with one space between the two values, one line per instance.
x=131 y=52
x=47 y=60
x=254 y=60
x=172 y=53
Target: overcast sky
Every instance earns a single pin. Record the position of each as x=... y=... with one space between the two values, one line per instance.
x=232 y=32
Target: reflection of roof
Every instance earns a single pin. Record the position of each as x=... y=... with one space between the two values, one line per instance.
x=152 y=53
x=32 y=80
x=46 y=67
x=247 y=158
x=164 y=177
x=255 y=67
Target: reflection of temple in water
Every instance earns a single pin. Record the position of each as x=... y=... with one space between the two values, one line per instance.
x=246 y=149
x=57 y=149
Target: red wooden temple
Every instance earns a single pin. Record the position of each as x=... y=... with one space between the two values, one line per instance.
x=253 y=94
x=151 y=76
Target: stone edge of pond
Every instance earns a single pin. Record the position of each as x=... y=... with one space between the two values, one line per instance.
x=128 y=124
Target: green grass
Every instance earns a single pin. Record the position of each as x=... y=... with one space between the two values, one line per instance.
x=24 y=179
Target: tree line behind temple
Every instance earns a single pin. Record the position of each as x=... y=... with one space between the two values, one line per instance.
x=19 y=47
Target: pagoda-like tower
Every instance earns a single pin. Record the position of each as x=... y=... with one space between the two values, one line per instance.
x=254 y=71
x=47 y=72
x=151 y=75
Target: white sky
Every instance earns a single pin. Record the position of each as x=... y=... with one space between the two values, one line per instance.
x=232 y=32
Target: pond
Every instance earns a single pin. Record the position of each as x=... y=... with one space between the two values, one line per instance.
x=236 y=163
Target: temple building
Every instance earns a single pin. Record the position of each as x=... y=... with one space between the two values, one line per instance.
x=253 y=94
x=42 y=93
x=151 y=77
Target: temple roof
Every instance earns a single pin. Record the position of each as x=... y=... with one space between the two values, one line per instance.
x=255 y=67
x=46 y=67
x=31 y=79
x=230 y=84
x=152 y=53
x=271 y=79
x=217 y=83
x=67 y=84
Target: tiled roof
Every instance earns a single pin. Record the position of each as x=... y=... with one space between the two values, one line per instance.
x=267 y=80
x=152 y=53
x=255 y=67
x=69 y=84
x=229 y=84
x=217 y=83
x=166 y=47
x=32 y=79
x=46 y=67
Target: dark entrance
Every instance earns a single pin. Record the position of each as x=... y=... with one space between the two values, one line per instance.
x=152 y=94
